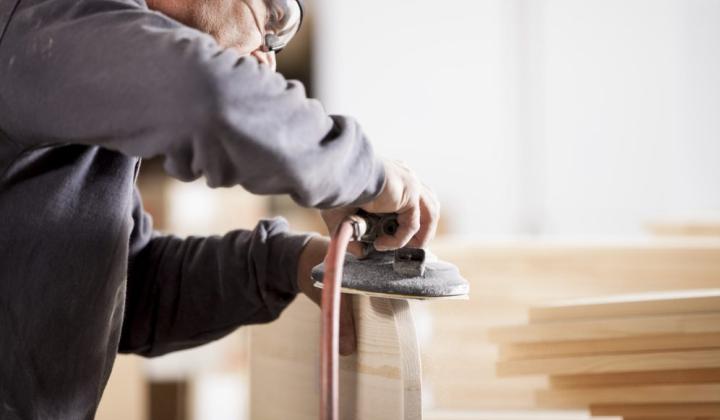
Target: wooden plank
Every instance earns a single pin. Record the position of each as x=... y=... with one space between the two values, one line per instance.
x=608 y=328
x=381 y=381
x=540 y=350
x=697 y=228
x=514 y=415
x=543 y=270
x=658 y=303
x=657 y=410
x=669 y=418
x=645 y=394
x=634 y=362
x=694 y=376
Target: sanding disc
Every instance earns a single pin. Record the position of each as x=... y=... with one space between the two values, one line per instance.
x=375 y=276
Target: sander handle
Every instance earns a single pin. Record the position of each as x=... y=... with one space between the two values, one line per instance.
x=370 y=226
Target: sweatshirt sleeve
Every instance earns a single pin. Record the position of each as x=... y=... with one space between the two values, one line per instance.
x=115 y=74
x=182 y=293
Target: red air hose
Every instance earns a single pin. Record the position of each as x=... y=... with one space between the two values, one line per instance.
x=329 y=338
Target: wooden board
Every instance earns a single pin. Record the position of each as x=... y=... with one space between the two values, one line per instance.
x=536 y=271
x=540 y=350
x=697 y=228
x=514 y=415
x=695 y=376
x=658 y=410
x=653 y=304
x=671 y=418
x=381 y=381
x=599 y=329
x=633 y=362
x=645 y=394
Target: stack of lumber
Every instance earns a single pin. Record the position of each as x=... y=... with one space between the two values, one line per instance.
x=647 y=356
x=508 y=277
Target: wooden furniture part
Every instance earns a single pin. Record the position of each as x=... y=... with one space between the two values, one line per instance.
x=381 y=381
x=509 y=277
x=654 y=352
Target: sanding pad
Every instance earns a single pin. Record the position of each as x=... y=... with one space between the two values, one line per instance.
x=381 y=274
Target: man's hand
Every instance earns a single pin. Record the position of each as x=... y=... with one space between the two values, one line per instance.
x=416 y=205
x=312 y=255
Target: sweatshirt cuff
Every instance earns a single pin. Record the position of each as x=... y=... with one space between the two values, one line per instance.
x=286 y=249
x=375 y=183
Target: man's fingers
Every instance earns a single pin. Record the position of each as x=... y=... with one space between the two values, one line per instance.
x=408 y=226
x=348 y=342
x=334 y=217
x=356 y=249
x=429 y=216
x=428 y=225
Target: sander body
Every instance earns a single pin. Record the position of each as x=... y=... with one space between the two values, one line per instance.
x=406 y=273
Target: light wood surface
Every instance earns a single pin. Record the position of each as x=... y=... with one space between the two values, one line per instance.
x=695 y=376
x=653 y=304
x=509 y=277
x=514 y=415
x=381 y=381
x=514 y=351
x=661 y=410
x=631 y=362
x=695 y=228
x=676 y=393
x=606 y=328
x=638 y=351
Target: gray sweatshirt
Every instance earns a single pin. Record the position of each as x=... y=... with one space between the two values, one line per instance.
x=87 y=88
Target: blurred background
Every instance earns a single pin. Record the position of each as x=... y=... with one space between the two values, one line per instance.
x=530 y=119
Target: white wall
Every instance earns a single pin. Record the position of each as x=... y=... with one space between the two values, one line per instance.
x=627 y=90
x=547 y=116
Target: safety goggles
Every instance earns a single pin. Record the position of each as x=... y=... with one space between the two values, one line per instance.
x=284 y=18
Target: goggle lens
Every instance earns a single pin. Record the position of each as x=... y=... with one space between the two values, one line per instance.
x=284 y=18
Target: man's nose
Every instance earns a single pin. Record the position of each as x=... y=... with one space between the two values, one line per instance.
x=266 y=58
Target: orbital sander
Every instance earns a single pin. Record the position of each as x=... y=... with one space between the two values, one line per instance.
x=406 y=273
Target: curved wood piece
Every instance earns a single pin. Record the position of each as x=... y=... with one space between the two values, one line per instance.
x=381 y=381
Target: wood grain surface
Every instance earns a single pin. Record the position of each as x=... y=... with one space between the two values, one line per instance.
x=381 y=381
x=602 y=363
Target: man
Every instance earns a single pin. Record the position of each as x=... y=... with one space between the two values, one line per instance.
x=87 y=88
